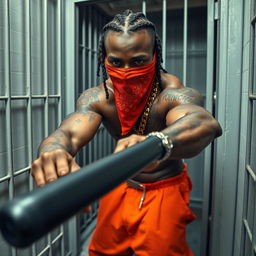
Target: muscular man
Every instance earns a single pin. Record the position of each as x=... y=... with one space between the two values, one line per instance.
x=148 y=214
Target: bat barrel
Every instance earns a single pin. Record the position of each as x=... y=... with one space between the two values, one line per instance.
x=27 y=218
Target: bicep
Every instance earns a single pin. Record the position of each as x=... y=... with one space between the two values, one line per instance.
x=183 y=110
x=181 y=102
x=83 y=124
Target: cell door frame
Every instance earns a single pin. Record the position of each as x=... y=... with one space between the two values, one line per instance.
x=71 y=12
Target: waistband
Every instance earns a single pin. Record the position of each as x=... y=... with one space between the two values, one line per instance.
x=158 y=184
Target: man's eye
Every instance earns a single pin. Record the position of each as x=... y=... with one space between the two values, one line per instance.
x=139 y=62
x=115 y=63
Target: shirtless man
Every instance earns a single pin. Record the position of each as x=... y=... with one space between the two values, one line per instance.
x=140 y=97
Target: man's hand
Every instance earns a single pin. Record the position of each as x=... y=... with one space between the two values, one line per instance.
x=52 y=165
x=128 y=142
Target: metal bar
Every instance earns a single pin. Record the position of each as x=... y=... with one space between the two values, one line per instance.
x=24 y=97
x=253 y=20
x=59 y=91
x=29 y=100
x=252 y=96
x=144 y=7
x=25 y=169
x=89 y=49
x=45 y=66
x=247 y=229
x=185 y=41
x=95 y=23
x=7 y=177
x=250 y=171
x=46 y=90
x=7 y=78
x=90 y=46
x=164 y=33
x=99 y=26
x=28 y=78
x=47 y=248
x=59 y=59
x=83 y=50
x=59 y=236
x=8 y=95
x=208 y=150
x=45 y=96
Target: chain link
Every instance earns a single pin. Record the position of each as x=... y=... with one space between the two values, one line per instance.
x=144 y=118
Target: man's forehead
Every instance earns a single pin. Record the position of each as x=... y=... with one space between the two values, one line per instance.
x=141 y=39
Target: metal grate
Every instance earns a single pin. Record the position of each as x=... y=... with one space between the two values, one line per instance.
x=90 y=21
x=30 y=100
x=183 y=55
x=249 y=218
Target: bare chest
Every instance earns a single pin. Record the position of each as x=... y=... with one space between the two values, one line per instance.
x=155 y=120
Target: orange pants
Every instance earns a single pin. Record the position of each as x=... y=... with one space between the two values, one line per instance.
x=158 y=228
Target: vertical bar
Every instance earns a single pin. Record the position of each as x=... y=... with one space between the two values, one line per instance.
x=28 y=92
x=46 y=91
x=59 y=59
x=164 y=33
x=89 y=46
x=185 y=41
x=83 y=44
x=45 y=65
x=28 y=80
x=208 y=151
x=144 y=7
x=89 y=39
x=95 y=34
x=59 y=90
x=8 y=102
x=100 y=24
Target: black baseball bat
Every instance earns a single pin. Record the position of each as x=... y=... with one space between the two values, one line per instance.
x=27 y=218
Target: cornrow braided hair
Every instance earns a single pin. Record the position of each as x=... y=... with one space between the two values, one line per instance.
x=126 y=22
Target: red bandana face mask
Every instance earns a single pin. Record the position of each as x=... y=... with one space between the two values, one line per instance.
x=132 y=87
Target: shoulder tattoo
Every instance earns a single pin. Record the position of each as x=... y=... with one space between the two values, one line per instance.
x=87 y=98
x=183 y=96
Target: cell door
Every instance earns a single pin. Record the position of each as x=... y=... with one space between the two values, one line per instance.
x=188 y=53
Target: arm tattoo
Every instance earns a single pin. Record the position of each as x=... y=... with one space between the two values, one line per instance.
x=59 y=140
x=87 y=99
x=183 y=96
x=85 y=103
x=186 y=123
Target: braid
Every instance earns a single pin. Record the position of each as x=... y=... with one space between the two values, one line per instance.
x=129 y=22
x=159 y=59
x=101 y=59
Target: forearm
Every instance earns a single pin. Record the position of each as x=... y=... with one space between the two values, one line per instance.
x=59 y=139
x=191 y=134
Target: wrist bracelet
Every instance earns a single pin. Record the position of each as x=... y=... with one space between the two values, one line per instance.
x=167 y=143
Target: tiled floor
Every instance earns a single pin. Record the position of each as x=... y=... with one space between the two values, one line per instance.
x=193 y=235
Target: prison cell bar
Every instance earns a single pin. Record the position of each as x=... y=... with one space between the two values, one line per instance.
x=47 y=207
x=185 y=41
x=164 y=33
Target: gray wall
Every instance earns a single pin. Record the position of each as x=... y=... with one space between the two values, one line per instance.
x=233 y=214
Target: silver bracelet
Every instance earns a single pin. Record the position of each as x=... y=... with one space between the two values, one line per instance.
x=167 y=143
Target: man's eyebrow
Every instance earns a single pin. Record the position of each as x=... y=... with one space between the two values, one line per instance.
x=113 y=58
x=139 y=56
